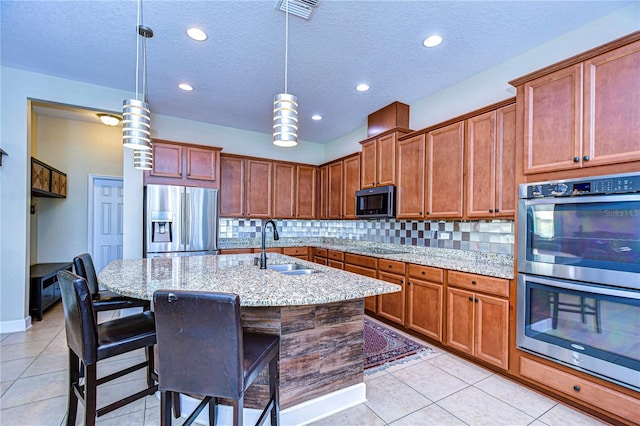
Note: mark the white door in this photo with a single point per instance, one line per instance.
(107, 221)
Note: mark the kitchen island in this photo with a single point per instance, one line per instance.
(318, 316)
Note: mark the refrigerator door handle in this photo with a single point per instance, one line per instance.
(187, 218)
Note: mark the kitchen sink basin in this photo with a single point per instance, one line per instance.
(292, 269)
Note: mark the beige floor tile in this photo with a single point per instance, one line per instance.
(475, 407)
(462, 369)
(47, 363)
(152, 401)
(152, 417)
(3, 388)
(430, 381)
(357, 416)
(36, 388)
(109, 366)
(109, 393)
(58, 345)
(391, 399)
(49, 412)
(32, 335)
(561, 415)
(524, 399)
(22, 350)
(136, 418)
(11, 370)
(433, 415)
(537, 423)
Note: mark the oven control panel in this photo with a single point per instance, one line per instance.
(613, 184)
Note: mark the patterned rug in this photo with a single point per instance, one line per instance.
(382, 345)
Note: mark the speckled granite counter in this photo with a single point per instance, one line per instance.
(489, 264)
(237, 274)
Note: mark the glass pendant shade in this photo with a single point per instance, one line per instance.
(136, 124)
(143, 159)
(285, 120)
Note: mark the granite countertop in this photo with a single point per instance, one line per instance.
(237, 274)
(489, 264)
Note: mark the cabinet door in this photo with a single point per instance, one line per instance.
(492, 330)
(411, 172)
(445, 171)
(386, 160)
(506, 162)
(369, 165)
(553, 121)
(323, 185)
(334, 191)
(481, 165)
(351, 185)
(232, 187)
(259, 188)
(612, 107)
(167, 160)
(306, 195)
(284, 190)
(392, 305)
(425, 308)
(202, 164)
(460, 320)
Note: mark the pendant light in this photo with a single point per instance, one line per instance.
(285, 105)
(136, 113)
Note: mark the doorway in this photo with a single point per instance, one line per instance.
(105, 223)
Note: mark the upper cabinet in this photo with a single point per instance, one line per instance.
(259, 187)
(410, 191)
(339, 181)
(306, 194)
(232, 186)
(351, 167)
(378, 160)
(47, 181)
(583, 114)
(183, 164)
(294, 190)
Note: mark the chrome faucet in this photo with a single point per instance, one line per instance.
(263, 253)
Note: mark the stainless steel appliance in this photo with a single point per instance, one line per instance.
(180, 221)
(376, 202)
(579, 274)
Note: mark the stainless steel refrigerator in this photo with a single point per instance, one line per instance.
(180, 221)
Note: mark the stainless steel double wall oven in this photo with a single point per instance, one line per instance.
(579, 274)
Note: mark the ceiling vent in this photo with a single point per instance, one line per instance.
(301, 8)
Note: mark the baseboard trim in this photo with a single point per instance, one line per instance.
(301, 414)
(15, 325)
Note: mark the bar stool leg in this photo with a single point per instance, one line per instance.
(74, 378)
(273, 390)
(237, 411)
(165, 408)
(213, 411)
(90, 388)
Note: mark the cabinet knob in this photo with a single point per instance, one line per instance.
(423, 272)
(408, 282)
(585, 158)
(389, 266)
(401, 281)
(576, 159)
(473, 282)
(471, 298)
(576, 388)
(420, 213)
(497, 210)
(490, 210)
(428, 212)
(475, 300)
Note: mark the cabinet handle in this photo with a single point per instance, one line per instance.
(428, 212)
(576, 159)
(576, 388)
(476, 300)
(490, 210)
(497, 210)
(401, 281)
(471, 298)
(420, 213)
(408, 282)
(585, 158)
(473, 282)
(423, 272)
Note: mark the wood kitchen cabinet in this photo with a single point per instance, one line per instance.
(335, 259)
(351, 171)
(339, 186)
(585, 114)
(232, 186)
(478, 323)
(176, 163)
(379, 160)
(410, 191)
(298, 252)
(334, 190)
(323, 192)
(367, 266)
(319, 255)
(46, 181)
(490, 164)
(424, 300)
(392, 306)
(445, 171)
(284, 190)
(246, 187)
(259, 187)
(306, 193)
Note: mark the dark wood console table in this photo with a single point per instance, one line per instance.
(45, 290)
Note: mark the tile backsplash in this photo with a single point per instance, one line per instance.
(492, 236)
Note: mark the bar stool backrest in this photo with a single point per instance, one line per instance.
(85, 268)
(200, 343)
(80, 325)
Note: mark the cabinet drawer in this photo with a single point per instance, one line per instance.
(319, 252)
(497, 286)
(371, 273)
(391, 266)
(592, 393)
(359, 260)
(296, 251)
(335, 264)
(435, 275)
(335, 255)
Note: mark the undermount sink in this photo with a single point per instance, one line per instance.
(292, 269)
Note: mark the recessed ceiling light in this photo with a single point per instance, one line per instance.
(185, 86)
(316, 117)
(432, 41)
(197, 34)
(109, 119)
(362, 87)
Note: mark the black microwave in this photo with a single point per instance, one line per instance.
(376, 202)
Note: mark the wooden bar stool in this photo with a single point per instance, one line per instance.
(203, 350)
(89, 343)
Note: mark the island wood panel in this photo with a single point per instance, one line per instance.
(321, 349)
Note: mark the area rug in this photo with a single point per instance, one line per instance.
(384, 347)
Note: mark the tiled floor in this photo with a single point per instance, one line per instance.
(440, 389)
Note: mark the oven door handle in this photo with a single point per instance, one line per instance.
(584, 287)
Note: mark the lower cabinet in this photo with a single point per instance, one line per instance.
(335, 259)
(367, 266)
(299, 252)
(392, 306)
(319, 255)
(424, 300)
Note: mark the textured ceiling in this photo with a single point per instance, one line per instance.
(240, 67)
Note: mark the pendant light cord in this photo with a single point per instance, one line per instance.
(286, 45)
(138, 47)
